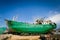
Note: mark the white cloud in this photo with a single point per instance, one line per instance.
(55, 18)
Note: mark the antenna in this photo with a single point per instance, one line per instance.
(14, 18)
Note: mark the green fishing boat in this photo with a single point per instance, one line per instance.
(22, 27)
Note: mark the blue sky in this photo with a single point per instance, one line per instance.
(26, 10)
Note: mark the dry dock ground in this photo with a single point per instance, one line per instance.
(17, 37)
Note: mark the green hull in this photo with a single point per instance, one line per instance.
(29, 28)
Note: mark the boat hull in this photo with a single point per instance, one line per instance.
(29, 28)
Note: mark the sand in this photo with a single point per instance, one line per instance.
(17, 37)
